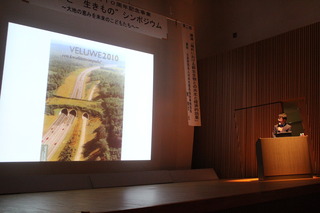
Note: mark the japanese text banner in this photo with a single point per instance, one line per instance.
(111, 12)
(191, 75)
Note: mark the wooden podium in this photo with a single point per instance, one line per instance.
(283, 157)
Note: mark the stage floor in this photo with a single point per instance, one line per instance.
(201, 196)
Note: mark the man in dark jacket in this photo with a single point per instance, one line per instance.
(282, 128)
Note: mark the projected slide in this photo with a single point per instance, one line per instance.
(65, 98)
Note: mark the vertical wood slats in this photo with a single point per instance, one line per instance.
(285, 67)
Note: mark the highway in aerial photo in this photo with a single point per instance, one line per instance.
(57, 132)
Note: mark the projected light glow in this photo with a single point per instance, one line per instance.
(65, 98)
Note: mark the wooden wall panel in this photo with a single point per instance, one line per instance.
(253, 123)
(285, 67)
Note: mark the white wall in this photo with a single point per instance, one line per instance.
(172, 138)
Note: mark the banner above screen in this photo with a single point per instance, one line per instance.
(111, 12)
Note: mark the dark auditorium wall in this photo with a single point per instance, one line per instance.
(242, 91)
(224, 25)
(253, 53)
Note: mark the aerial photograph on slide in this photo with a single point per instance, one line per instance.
(84, 104)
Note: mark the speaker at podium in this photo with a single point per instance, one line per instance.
(283, 157)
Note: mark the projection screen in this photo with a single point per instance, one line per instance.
(65, 98)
